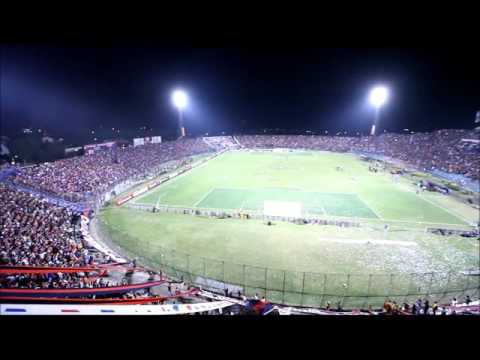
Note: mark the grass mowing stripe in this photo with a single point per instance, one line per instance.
(253, 199)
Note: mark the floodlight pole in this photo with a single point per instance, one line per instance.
(375, 121)
(180, 122)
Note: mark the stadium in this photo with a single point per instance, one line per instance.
(264, 223)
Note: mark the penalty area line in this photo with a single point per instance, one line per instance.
(161, 196)
(323, 209)
(241, 206)
(369, 207)
(204, 197)
(371, 241)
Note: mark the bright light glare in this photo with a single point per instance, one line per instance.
(179, 99)
(378, 96)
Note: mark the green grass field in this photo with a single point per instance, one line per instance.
(246, 180)
(302, 264)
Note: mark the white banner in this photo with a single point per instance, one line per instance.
(147, 140)
(170, 309)
(138, 142)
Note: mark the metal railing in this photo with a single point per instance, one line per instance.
(290, 287)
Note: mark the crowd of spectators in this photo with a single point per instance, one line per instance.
(55, 281)
(35, 232)
(439, 150)
(82, 177)
(424, 307)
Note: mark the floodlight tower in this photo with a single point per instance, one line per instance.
(378, 97)
(180, 100)
(477, 121)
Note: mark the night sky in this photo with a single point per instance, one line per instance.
(68, 90)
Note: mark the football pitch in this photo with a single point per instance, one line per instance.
(246, 180)
(301, 264)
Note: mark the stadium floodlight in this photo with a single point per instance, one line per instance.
(378, 97)
(180, 100)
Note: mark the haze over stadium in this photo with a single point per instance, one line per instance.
(239, 181)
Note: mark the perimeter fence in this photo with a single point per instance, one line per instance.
(287, 287)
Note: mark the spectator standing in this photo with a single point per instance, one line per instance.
(414, 309)
(454, 302)
(339, 307)
(435, 308)
(426, 306)
(419, 306)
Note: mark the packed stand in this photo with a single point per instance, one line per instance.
(81, 178)
(56, 281)
(37, 233)
(439, 150)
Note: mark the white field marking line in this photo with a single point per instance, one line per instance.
(286, 188)
(241, 206)
(204, 197)
(176, 178)
(161, 196)
(458, 216)
(369, 207)
(147, 193)
(372, 241)
(321, 207)
(448, 210)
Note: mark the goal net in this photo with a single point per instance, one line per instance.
(282, 208)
